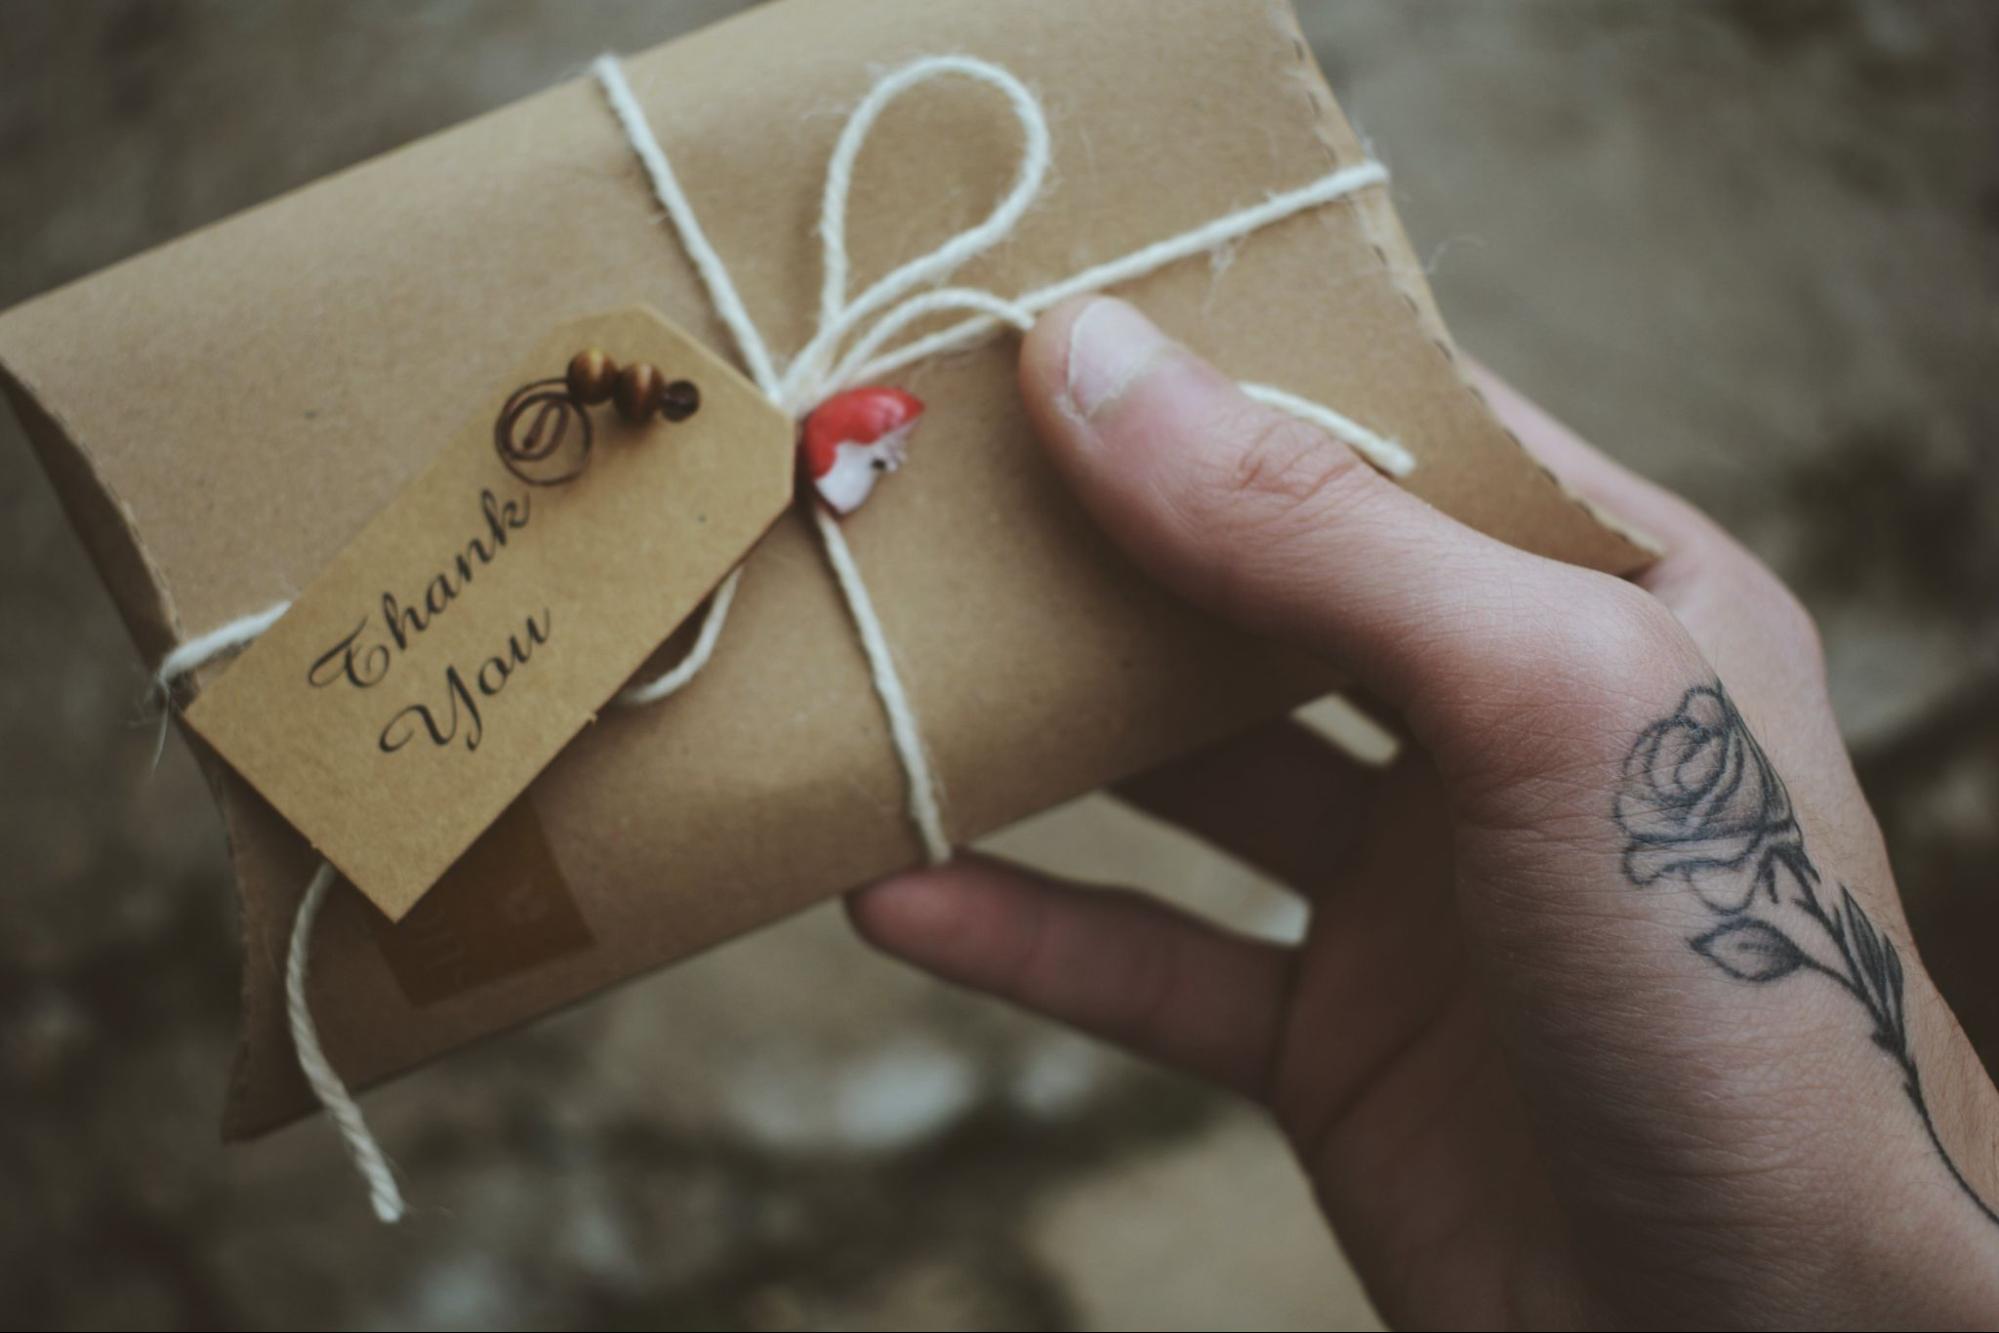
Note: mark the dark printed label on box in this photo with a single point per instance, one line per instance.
(502, 908)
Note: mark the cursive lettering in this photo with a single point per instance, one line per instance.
(362, 664)
(461, 717)
(362, 659)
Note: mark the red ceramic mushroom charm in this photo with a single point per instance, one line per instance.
(852, 438)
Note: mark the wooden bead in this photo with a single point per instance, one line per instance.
(591, 376)
(680, 400)
(638, 391)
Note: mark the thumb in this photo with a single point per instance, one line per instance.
(1272, 523)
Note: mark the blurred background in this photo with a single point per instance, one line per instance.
(1752, 249)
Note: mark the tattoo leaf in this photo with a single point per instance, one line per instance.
(1877, 975)
(1750, 950)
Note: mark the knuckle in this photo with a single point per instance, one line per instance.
(1564, 687)
(1628, 631)
(1606, 635)
(1283, 469)
(1265, 491)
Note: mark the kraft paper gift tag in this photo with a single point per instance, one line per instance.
(284, 374)
(478, 623)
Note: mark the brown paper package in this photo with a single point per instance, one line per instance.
(282, 373)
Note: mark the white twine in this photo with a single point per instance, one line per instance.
(206, 647)
(341, 1108)
(818, 371)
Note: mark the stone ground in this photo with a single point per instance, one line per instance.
(1749, 248)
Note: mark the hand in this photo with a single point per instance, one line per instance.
(1607, 1012)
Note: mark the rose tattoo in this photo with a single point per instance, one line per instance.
(1701, 805)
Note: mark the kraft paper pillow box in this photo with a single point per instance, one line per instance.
(281, 375)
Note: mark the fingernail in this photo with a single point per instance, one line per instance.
(1110, 345)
